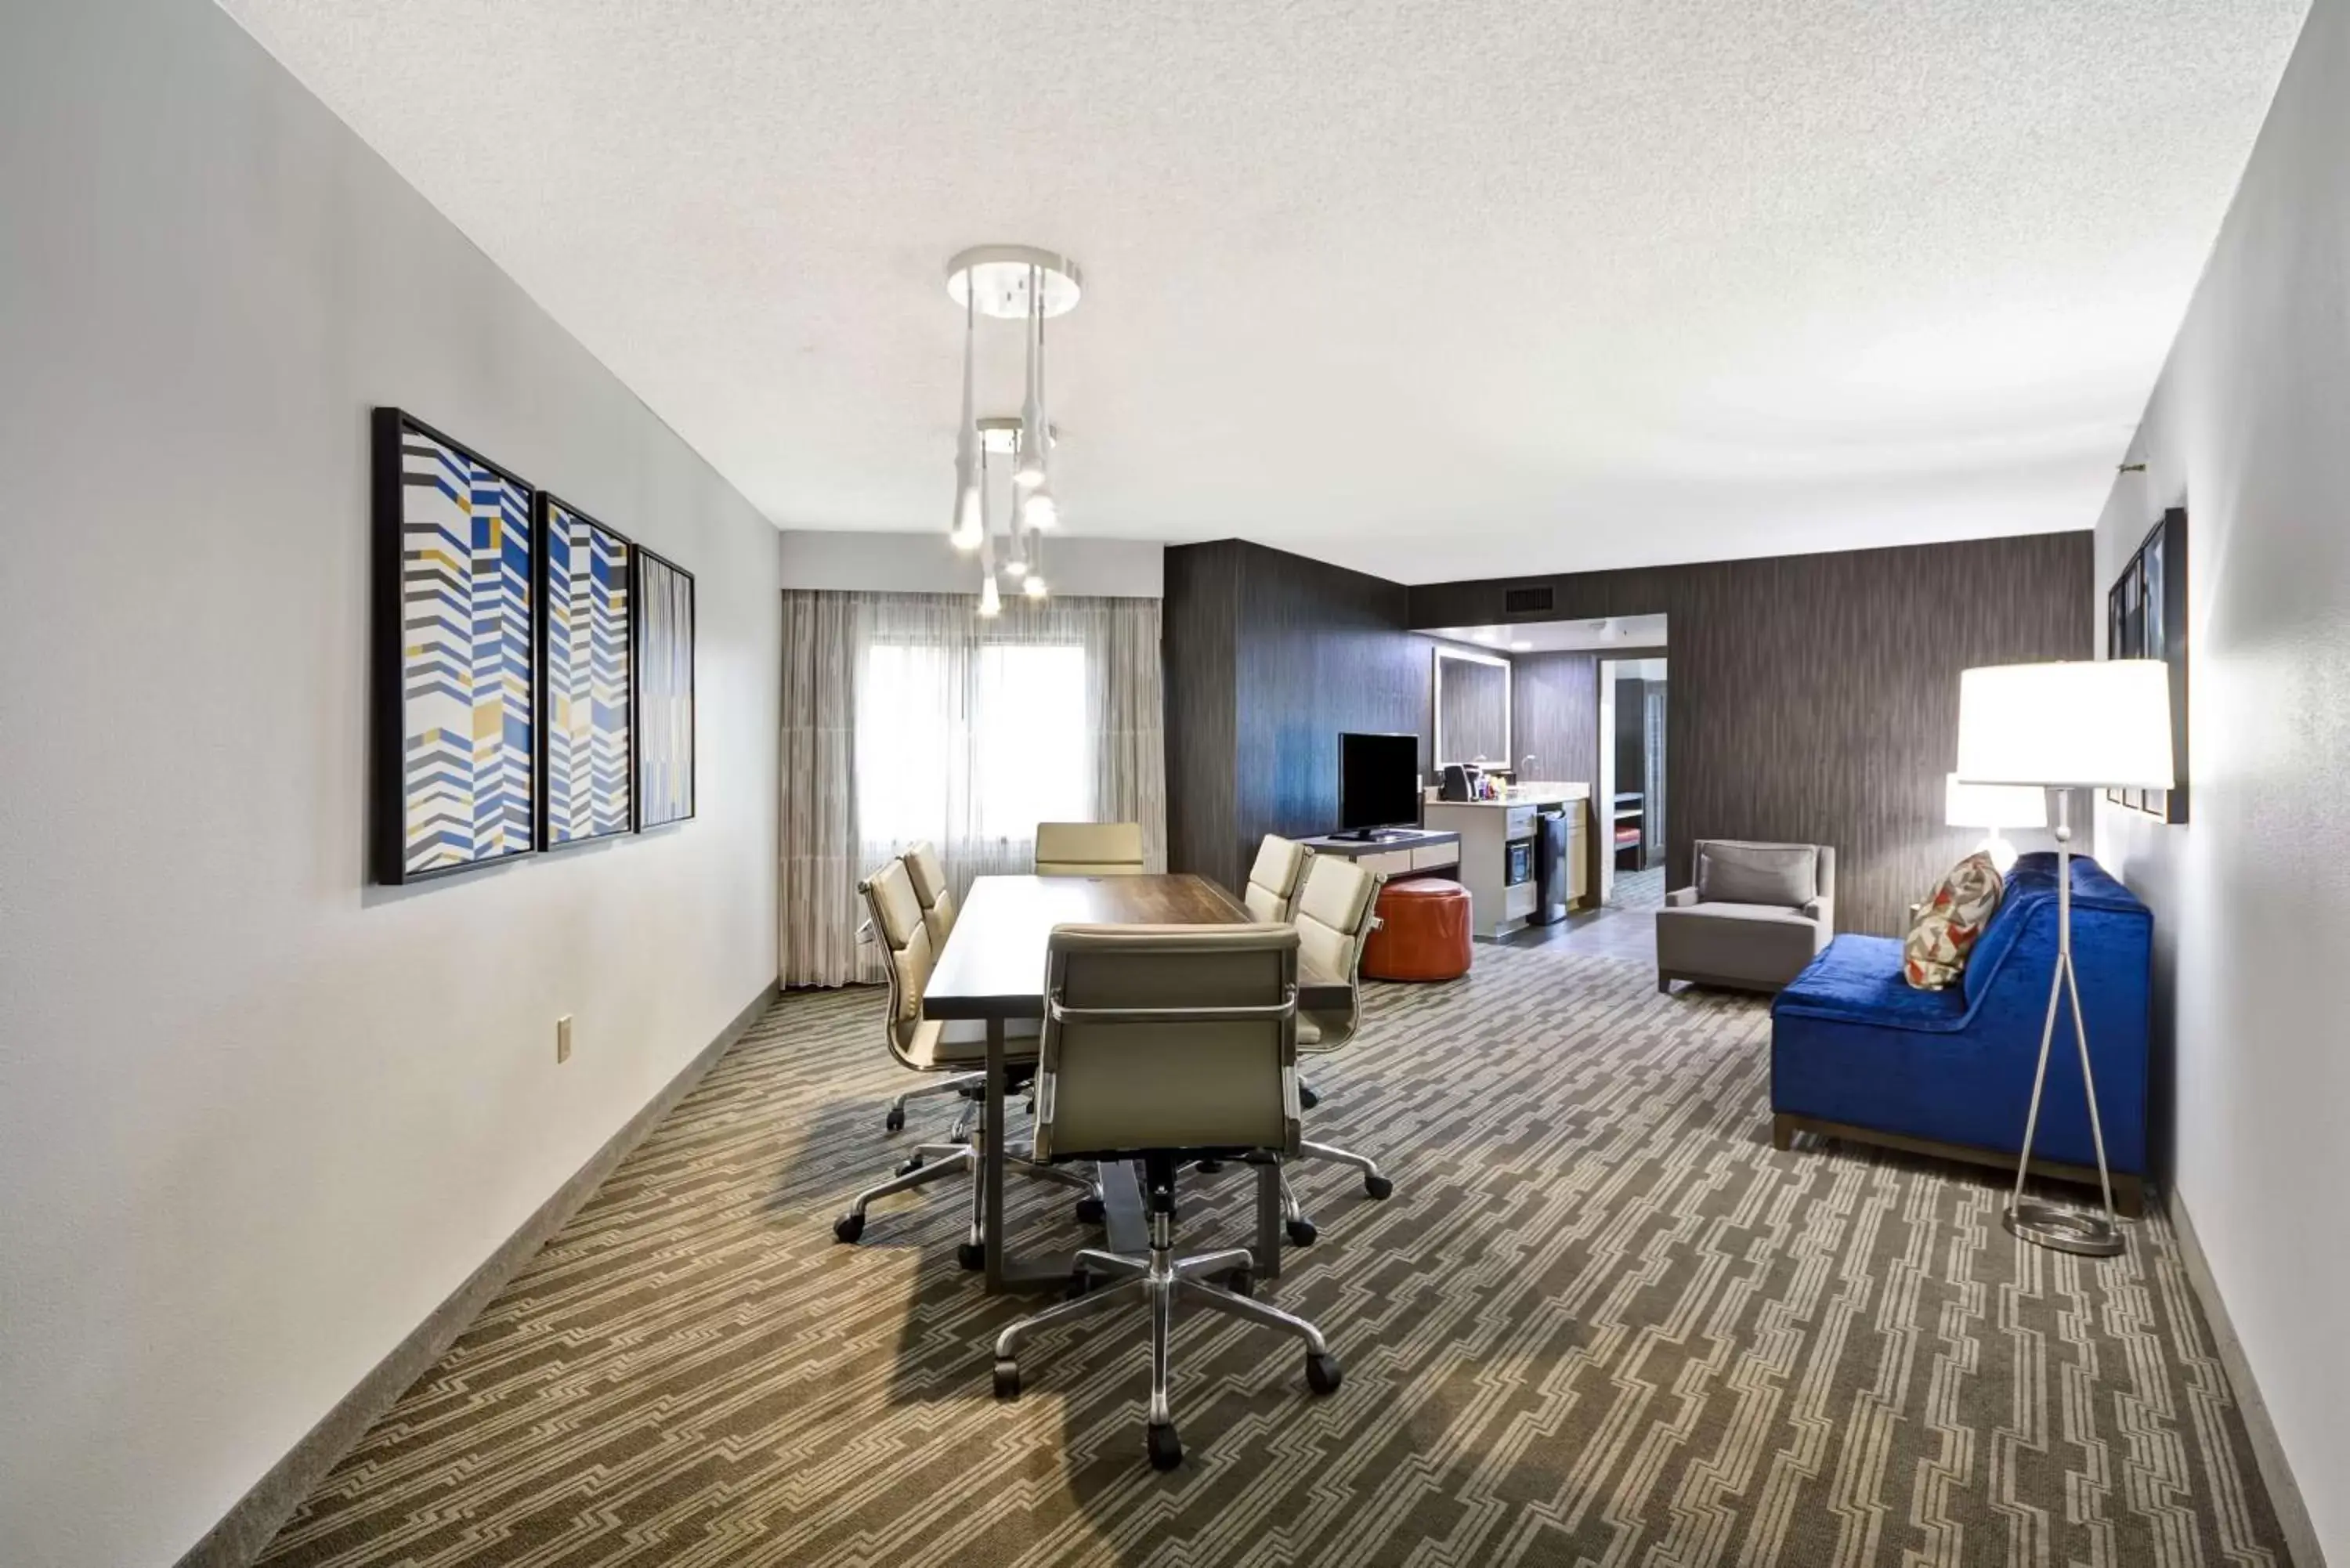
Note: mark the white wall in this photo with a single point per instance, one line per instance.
(2250, 424)
(927, 564)
(257, 1117)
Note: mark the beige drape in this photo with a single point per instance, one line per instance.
(828, 638)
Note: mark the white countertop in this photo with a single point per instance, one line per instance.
(1526, 795)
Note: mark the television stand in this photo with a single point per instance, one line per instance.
(1394, 852)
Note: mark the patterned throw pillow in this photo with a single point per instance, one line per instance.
(1934, 952)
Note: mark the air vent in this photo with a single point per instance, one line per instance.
(1525, 601)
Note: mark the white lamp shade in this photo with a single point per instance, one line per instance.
(1992, 806)
(2090, 725)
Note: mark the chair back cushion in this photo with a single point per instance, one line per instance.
(1334, 914)
(1089, 850)
(1180, 1076)
(1783, 875)
(929, 875)
(1934, 954)
(1272, 880)
(905, 935)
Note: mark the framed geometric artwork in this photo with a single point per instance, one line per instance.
(456, 671)
(2146, 618)
(588, 764)
(664, 687)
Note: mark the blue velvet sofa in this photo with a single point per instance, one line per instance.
(1856, 1053)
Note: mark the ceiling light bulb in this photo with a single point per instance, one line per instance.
(971, 516)
(1036, 436)
(1015, 555)
(1040, 510)
(1035, 589)
(991, 600)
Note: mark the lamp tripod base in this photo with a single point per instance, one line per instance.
(2065, 1230)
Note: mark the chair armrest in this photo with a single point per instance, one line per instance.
(1823, 910)
(1681, 897)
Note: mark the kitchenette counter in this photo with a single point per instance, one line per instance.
(1498, 850)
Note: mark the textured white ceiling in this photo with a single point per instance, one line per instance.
(1436, 290)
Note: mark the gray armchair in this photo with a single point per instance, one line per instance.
(1753, 916)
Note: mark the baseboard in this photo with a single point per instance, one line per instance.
(247, 1528)
(2267, 1453)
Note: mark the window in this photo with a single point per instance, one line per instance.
(960, 744)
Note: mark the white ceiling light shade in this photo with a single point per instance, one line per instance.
(970, 524)
(2083, 724)
(1023, 283)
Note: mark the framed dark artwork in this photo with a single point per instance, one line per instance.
(456, 671)
(2146, 618)
(587, 777)
(664, 691)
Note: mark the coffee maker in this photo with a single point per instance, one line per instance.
(1463, 780)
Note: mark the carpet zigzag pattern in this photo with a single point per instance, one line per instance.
(1601, 1321)
(466, 667)
(588, 660)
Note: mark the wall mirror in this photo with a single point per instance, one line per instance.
(1472, 707)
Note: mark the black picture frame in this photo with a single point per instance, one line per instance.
(645, 563)
(2146, 618)
(388, 634)
(545, 503)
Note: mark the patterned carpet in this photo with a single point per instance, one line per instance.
(1601, 1321)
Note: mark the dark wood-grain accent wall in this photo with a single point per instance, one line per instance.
(1198, 632)
(1816, 698)
(1269, 656)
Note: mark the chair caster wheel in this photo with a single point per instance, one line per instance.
(1306, 1098)
(1322, 1374)
(895, 1121)
(910, 1165)
(1302, 1232)
(1378, 1187)
(1090, 1212)
(1007, 1380)
(847, 1228)
(1166, 1449)
(1241, 1283)
(1208, 1166)
(971, 1255)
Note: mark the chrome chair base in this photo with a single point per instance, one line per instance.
(959, 1083)
(1158, 1281)
(2065, 1230)
(936, 1162)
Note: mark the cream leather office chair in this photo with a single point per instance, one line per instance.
(1336, 915)
(930, 1045)
(1164, 1043)
(1089, 850)
(1273, 880)
(928, 876)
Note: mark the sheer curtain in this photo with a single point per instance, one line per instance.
(907, 716)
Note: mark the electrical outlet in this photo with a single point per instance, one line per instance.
(562, 1039)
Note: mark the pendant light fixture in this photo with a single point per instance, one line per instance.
(970, 526)
(1008, 283)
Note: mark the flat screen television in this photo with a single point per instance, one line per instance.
(1378, 782)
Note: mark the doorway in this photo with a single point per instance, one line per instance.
(1629, 801)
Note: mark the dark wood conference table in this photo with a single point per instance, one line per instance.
(993, 971)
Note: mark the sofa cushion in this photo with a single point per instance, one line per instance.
(1934, 954)
(1860, 978)
(1754, 942)
(1783, 875)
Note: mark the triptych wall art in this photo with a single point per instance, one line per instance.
(2146, 618)
(534, 667)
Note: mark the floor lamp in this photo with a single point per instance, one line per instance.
(2064, 727)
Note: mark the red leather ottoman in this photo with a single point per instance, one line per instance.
(1423, 934)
